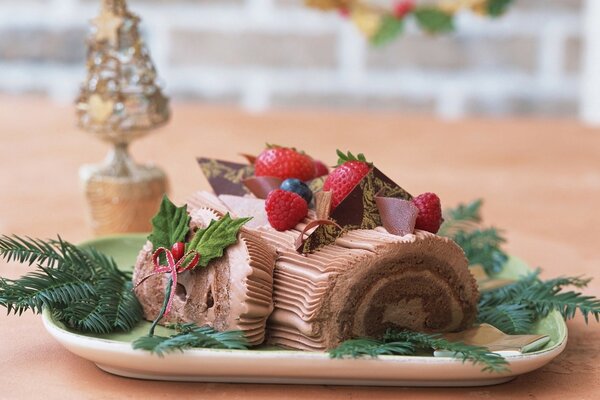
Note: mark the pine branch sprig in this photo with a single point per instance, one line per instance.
(515, 308)
(482, 246)
(26, 250)
(477, 355)
(85, 315)
(509, 293)
(509, 318)
(356, 348)
(567, 303)
(191, 336)
(119, 303)
(462, 217)
(43, 288)
(81, 286)
(407, 343)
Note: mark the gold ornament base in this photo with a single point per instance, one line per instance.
(122, 196)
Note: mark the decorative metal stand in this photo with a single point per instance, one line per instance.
(119, 102)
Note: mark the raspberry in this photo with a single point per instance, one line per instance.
(430, 212)
(285, 209)
(344, 178)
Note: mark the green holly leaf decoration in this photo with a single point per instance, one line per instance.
(496, 8)
(389, 29)
(433, 20)
(170, 225)
(214, 239)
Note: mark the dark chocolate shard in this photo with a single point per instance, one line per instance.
(226, 177)
(398, 216)
(312, 224)
(261, 186)
(322, 236)
(357, 211)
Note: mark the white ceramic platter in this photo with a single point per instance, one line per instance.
(114, 354)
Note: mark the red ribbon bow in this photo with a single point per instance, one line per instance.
(173, 267)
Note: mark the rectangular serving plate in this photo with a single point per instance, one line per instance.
(113, 353)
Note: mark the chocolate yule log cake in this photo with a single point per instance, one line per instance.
(319, 260)
(366, 282)
(233, 292)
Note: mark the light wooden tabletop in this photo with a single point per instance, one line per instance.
(540, 181)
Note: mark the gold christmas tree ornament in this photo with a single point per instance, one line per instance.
(119, 102)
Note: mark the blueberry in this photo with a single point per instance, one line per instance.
(298, 187)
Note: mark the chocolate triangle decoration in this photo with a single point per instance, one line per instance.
(357, 211)
(226, 177)
(261, 186)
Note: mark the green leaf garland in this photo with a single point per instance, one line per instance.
(390, 28)
(496, 8)
(434, 20)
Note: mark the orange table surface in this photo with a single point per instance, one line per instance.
(540, 180)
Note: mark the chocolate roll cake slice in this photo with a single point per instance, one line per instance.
(232, 293)
(365, 283)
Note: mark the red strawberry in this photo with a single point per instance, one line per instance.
(320, 169)
(284, 163)
(430, 212)
(285, 209)
(346, 176)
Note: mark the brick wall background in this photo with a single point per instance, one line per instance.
(276, 53)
